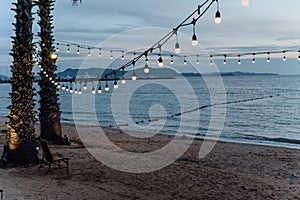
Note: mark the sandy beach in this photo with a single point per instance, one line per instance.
(230, 171)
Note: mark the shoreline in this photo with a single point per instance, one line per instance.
(229, 171)
(201, 138)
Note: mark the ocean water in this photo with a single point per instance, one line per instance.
(256, 109)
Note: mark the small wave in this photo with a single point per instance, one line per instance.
(285, 140)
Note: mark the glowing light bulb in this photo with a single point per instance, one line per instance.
(133, 77)
(218, 18)
(71, 90)
(58, 85)
(122, 57)
(67, 89)
(225, 60)
(99, 90)
(146, 69)
(211, 61)
(89, 54)
(284, 56)
(177, 48)
(253, 60)
(84, 86)
(76, 91)
(160, 62)
(106, 87)
(194, 40)
(184, 61)
(63, 87)
(268, 58)
(93, 90)
(171, 61)
(79, 91)
(111, 55)
(123, 80)
(245, 2)
(116, 86)
(78, 51)
(68, 49)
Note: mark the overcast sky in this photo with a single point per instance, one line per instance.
(264, 25)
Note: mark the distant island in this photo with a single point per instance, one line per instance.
(155, 73)
(237, 73)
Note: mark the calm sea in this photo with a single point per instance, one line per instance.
(259, 109)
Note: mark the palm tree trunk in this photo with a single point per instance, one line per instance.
(49, 106)
(21, 131)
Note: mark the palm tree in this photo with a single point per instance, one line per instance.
(21, 130)
(49, 106)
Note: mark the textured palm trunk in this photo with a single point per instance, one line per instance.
(49, 106)
(21, 130)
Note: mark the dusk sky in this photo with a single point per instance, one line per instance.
(267, 25)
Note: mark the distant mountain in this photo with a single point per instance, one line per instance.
(97, 72)
(237, 73)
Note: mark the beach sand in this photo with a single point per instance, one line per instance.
(229, 171)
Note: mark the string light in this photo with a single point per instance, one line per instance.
(93, 88)
(79, 90)
(194, 37)
(284, 56)
(184, 61)
(63, 87)
(78, 50)
(85, 85)
(177, 47)
(122, 57)
(146, 60)
(99, 88)
(171, 61)
(106, 87)
(225, 61)
(146, 68)
(268, 58)
(67, 88)
(71, 89)
(116, 86)
(253, 60)
(299, 55)
(53, 56)
(89, 54)
(123, 80)
(211, 61)
(57, 48)
(76, 91)
(239, 61)
(197, 61)
(100, 53)
(68, 48)
(245, 2)
(111, 55)
(218, 18)
(133, 76)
